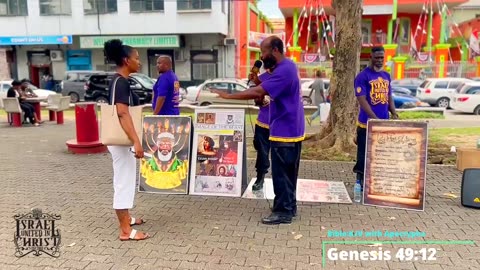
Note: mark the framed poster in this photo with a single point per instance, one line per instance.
(217, 157)
(395, 164)
(166, 142)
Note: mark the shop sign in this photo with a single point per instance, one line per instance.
(35, 40)
(159, 41)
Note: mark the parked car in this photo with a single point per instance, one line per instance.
(468, 102)
(73, 84)
(403, 101)
(41, 93)
(439, 91)
(205, 97)
(467, 87)
(4, 86)
(410, 84)
(96, 87)
(306, 90)
(401, 91)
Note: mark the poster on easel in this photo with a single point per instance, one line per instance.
(395, 164)
(166, 144)
(218, 153)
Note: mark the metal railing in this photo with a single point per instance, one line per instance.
(429, 69)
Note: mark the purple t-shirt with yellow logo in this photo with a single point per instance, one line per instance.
(287, 117)
(264, 111)
(167, 86)
(375, 86)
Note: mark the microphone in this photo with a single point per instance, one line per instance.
(256, 68)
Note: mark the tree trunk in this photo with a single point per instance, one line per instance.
(339, 132)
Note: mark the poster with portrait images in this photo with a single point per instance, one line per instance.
(217, 153)
(166, 143)
(395, 164)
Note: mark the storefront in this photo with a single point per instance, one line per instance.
(33, 56)
(149, 48)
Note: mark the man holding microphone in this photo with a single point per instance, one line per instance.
(286, 125)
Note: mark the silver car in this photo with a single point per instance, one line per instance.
(73, 84)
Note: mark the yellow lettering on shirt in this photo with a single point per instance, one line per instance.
(379, 91)
(176, 86)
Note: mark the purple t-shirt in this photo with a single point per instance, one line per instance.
(377, 89)
(287, 117)
(264, 111)
(167, 86)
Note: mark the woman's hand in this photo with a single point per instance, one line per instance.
(138, 150)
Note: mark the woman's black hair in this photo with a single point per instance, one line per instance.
(115, 51)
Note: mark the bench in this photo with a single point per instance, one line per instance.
(53, 101)
(62, 105)
(13, 110)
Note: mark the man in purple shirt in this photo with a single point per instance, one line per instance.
(286, 124)
(261, 136)
(166, 91)
(374, 94)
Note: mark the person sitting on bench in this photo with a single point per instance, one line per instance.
(15, 92)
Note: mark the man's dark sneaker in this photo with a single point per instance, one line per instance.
(258, 185)
(275, 219)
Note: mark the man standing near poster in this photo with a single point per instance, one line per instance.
(286, 123)
(374, 94)
(166, 91)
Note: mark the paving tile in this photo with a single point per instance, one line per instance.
(194, 232)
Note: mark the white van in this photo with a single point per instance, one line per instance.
(439, 91)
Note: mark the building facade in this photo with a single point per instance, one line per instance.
(467, 11)
(53, 36)
(400, 24)
(251, 26)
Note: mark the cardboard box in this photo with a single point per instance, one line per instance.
(468, 158)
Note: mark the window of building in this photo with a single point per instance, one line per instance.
(194, 4)
(366, 31)
(55, 7)
(146, 5)
(13, 8)
(204, 64)
(404, 36)
(99, 6)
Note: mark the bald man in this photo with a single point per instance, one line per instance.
(166, 91)
(286, 124)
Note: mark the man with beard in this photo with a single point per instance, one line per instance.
(166, 91)
(374, 94)
(164, 170)
(286, 124)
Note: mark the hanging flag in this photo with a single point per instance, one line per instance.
(474, 47)
(413, 44)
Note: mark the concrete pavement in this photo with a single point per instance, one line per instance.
(192, 232)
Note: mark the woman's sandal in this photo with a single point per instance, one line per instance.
(133, 233)
(133, 221)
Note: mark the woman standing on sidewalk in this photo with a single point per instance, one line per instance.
(124, 164)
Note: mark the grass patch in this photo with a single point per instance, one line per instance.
(442, 139)
(405, 115)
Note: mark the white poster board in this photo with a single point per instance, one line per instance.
(217, 153)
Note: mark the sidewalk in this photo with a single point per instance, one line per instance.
(191, 232)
